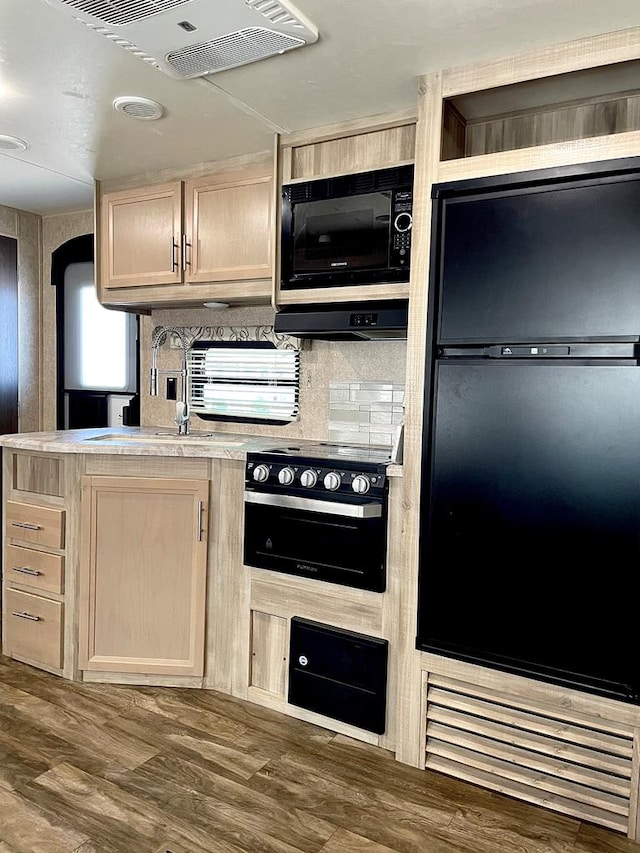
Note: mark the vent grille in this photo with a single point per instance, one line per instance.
(275, 12)
(347, 185)
(119, 12)
(566, 761)
(230, 51)
(143, 109)
(124, 44)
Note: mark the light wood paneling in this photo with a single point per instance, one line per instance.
(148, 466)
(353, 293)
(572, 767)
(633, 830)
(37, 474)
(141, 680)
(37, 525)
(391, 626)
(620, 46)
(570, 751)
(33, 628)
(228, 613)
(428, 147)
(376, 149)
(143, 575)
(287, 596)
(454, 131)
(54, 232)
(601, 117)
(269, 652)
(25, 566)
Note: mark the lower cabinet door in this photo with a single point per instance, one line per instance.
(143, 575)
(33, 628)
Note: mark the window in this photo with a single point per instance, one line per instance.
(99, 344)
(244, 381)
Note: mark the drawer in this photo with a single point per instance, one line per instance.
(41, 525)
(25, 566)
(33, 628)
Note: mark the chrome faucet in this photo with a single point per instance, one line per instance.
(182, 406)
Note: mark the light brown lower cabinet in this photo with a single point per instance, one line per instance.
(143, 566)
(33, 628)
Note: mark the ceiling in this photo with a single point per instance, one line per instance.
(58, 80)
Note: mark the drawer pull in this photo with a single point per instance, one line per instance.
(26, 526)
(27, 616)
(25, 571)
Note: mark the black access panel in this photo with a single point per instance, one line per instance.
(339, 674)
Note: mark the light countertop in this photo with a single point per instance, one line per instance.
(152, 441)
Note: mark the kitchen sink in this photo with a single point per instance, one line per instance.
(173, 437)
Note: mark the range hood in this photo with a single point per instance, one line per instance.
(353, 321)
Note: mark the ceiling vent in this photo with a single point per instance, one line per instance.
(144, 109)
(194, 38)
(12, 143)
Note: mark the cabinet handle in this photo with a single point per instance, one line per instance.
(185, 262)
(26, 526)
(174, 260)
(27, 616)
(25, 571)
(199, 522)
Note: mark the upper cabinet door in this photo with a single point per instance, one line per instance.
(229, 228)
(141, 236)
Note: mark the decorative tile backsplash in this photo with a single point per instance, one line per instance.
(365, 412)
(241, 334)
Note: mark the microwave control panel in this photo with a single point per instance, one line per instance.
(401, 223)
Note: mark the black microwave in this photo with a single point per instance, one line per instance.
(352, 229)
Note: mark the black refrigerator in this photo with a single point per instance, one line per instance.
(530, 500)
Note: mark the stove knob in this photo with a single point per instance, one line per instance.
(286, 476)
(308, 478)
(332, 481)
(261, 473)
(361, 484)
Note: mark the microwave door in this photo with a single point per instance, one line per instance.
(342, 234)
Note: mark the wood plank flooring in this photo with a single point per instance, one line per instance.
(107, 769)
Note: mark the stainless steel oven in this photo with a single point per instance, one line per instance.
(318, 517)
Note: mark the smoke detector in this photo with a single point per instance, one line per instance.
(143, 109)
(195, 38)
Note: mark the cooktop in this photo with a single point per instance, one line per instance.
(324, 450)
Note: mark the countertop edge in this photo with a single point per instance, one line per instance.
(125, 441)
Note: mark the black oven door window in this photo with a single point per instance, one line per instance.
(327, 547)
(350, 233)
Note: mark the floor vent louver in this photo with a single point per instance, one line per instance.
(565, 761)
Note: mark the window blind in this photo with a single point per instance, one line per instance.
(253, 381)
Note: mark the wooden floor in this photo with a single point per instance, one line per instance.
(103, 769)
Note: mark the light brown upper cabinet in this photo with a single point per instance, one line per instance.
(142, 238)
(189, 241)
(228, 226)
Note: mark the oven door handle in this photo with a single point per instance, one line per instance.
(364, 510)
